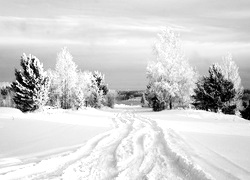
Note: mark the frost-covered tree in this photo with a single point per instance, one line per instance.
(67, 78)
(231, 72)
(215, 92)
(54, 99)
(99, 79)
(98, 90)
(110, 98)
(31, 85)
(83, 88)
(245, 113)
(74, 88)
(143, 100)
(96, 97)
(6, 95)
(171, 78)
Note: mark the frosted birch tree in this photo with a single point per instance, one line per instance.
(170, 76)
(231, 72)
(67, 78)
(83, 88)
(75, 88)
(54, 99)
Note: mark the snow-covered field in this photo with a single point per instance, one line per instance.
(32, 136)
(124, 143)
(218, 143)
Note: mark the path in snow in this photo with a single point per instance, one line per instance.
(136, 148)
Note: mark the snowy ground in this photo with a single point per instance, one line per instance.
(32, 136)
(124, 143)
(219, 143)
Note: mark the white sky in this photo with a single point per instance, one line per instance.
(116, 37)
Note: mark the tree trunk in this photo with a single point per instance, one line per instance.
(170, 104)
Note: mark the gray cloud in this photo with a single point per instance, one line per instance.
(120, 32)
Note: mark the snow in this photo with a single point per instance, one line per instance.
(10, 111)
(124, 143)
(32, 136)
(219, 143)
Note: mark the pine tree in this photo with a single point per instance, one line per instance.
(31, 85)
(171, 78)
(245, 113)
(215, 92)
(100, 82)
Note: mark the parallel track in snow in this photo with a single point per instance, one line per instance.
(136, 149)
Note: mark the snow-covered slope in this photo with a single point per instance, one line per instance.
(142, 144)
(135, 149)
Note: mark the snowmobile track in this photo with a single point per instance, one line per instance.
(136, 149)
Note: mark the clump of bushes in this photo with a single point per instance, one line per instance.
(110, 98)
(245, 113)
(6, 95)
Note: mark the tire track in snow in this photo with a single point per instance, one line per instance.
(53, 166)
(136, 149)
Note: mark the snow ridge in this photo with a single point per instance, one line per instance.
(136, 149)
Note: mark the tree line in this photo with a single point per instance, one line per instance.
(63, 87)
(173, 82)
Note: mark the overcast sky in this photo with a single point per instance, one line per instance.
(116, 37)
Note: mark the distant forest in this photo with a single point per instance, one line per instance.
(126, 95)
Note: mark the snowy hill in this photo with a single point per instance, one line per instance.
(124, 143)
